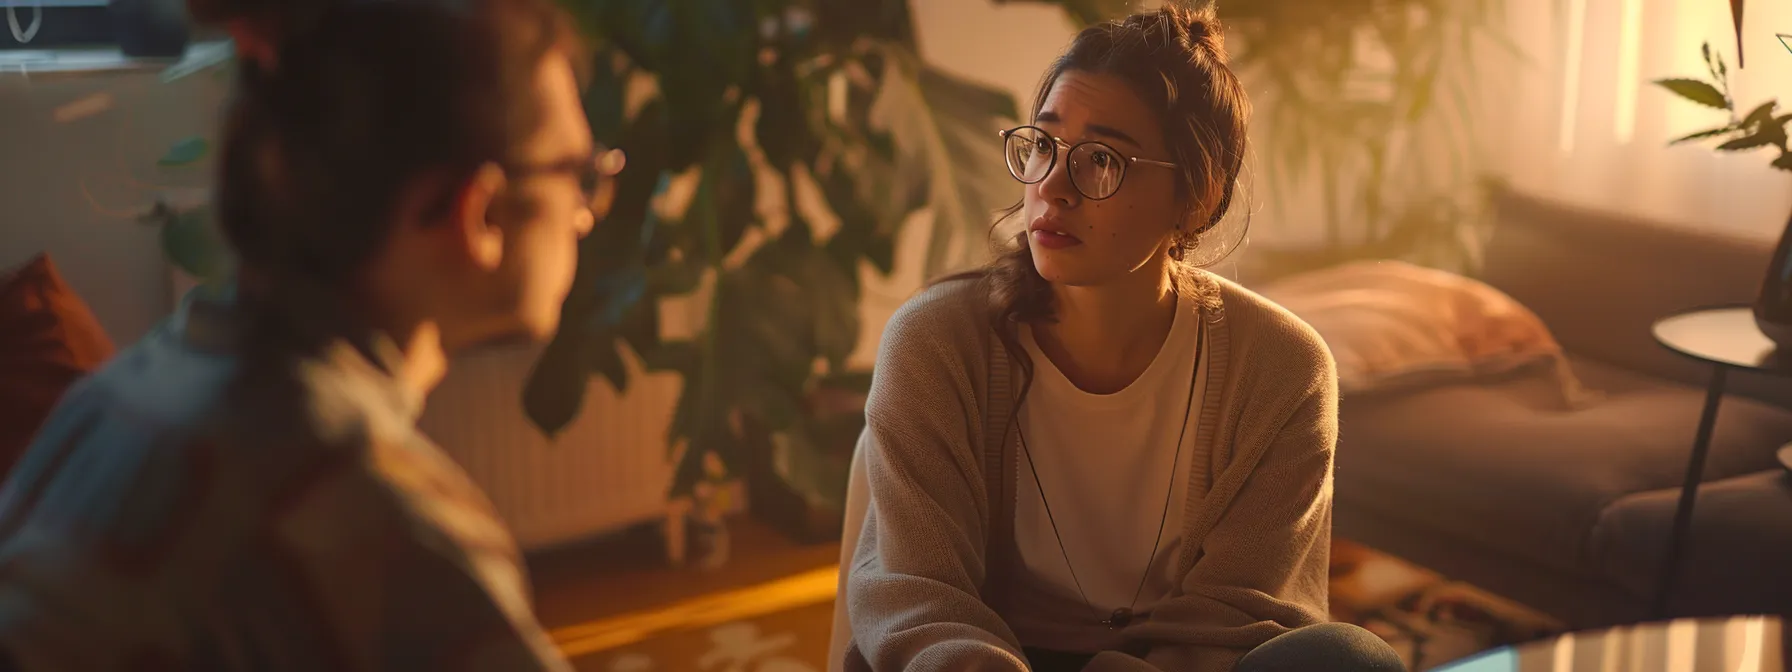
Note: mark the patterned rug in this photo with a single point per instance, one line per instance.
(783, 626)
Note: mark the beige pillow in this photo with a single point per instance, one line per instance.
(1392, 325)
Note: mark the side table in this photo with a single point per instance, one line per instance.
(1726, 338)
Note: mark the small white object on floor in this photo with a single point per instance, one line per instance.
(737, 645)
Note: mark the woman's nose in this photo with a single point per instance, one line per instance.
(1057, 186)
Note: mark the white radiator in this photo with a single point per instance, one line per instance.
(606, 471)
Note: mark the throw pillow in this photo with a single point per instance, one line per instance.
(48, 340)
(1392, 325)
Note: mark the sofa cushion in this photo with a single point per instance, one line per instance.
(1501, 465)
(1737, 551)
(49, 338)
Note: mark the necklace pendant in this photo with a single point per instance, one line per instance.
(1119, 619)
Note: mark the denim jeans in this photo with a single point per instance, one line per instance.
(1325, 647)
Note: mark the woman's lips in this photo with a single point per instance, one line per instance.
(1053, 240)
(1051, 235)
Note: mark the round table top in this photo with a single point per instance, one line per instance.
(1733, 644)
(1724, 335)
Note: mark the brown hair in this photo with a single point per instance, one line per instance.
(1173, 58)
(345, 102)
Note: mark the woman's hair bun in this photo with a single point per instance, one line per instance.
(1197, 20)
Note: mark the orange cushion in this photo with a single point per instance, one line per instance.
(48, 340)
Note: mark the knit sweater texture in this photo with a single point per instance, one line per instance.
(935, 584)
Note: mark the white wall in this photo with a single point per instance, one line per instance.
(113, 262)
(1615, 154)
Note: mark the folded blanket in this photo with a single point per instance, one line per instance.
(1392, 325)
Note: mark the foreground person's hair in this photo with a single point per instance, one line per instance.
(349, 101)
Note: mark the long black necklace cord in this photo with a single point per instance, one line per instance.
(1120, 618)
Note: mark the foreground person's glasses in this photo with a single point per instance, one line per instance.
(1096, 169)
(596, 175)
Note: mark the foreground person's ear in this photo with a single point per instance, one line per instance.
(476, 218)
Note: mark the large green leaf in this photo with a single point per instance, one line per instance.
(1696, 91)
(193, 243)
(645, 29)
(555, 390)
(945, 130)
(1701, 135)
(787, 128)
(603, 100)
(716, 44)
(732, 192)
(1754, 140)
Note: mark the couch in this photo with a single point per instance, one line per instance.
(1495, 483)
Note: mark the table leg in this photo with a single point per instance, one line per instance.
(1689, 491)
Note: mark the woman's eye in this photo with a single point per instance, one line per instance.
(1102, 159)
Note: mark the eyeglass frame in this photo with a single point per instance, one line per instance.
(1057, 143)
(601, 167)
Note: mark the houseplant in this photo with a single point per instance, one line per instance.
(1340, 81)
(1759, 128)
(774, 149)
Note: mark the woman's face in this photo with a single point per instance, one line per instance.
(1079, 241)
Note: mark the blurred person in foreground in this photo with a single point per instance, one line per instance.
(246, 487)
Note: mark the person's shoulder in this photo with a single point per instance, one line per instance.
(951, 314)
(1261, 330)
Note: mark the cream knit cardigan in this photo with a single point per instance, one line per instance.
(932, 583)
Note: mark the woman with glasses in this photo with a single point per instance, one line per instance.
(246, 487)
(1093, 455)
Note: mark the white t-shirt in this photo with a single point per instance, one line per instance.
(1104, 462)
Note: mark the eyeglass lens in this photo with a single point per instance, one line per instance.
(599, 179)
(1096, 170)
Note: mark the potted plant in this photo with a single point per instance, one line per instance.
(805, 133)
(1760, 127)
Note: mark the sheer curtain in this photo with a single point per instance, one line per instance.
(1580, 119)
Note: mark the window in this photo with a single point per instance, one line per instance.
(56, 24)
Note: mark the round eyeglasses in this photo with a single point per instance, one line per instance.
(1096, 169)
(595, 172)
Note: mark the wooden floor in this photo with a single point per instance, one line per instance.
(622, 589)
(616, 605)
